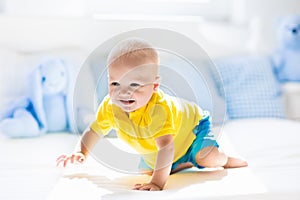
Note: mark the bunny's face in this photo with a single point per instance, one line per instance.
(289, 32)
(53, 77)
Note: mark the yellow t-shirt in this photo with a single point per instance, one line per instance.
(162, 115)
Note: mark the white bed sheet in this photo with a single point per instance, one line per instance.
(272, 148)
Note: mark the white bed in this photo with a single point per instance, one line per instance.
(271, 146)
(27, 166)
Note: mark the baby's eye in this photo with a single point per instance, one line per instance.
(115, 84)
(135, 84)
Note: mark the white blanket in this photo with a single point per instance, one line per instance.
(272, 148)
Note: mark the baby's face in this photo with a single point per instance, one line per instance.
(131, 85)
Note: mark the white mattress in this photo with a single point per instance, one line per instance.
(272, 148)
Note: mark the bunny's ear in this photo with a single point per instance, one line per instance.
(67, 75)
(36, 97)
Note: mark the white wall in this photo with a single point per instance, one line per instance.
(248, 21)
(264, 14)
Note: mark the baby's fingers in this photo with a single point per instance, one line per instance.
(63, 159)
(147, 186)
(66, 160)
(60, 159)
(137, 186)
(70, 158)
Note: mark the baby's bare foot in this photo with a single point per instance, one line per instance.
(235, 163)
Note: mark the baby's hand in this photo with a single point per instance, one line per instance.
(147, 186)
(65, 158)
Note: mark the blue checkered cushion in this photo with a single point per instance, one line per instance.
(250, 87)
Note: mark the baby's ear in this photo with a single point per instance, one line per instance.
(156, 83)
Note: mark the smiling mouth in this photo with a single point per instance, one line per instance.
(127, 102)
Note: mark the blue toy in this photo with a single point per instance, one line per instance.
(286, 59)
(45, 109)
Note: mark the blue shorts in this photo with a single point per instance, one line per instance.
(203, 139)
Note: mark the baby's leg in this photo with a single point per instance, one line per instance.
(211, 157)
(182, 166)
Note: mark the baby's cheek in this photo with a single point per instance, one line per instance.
(110, 91)
(144, 97)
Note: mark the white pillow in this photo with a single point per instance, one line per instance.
(251, 89)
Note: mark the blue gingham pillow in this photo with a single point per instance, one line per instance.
(250, 87)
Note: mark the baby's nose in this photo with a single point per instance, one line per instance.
(124, 91)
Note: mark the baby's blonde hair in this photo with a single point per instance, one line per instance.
(132, 49)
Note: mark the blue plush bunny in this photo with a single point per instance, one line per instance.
(45, 109)
(287, 58)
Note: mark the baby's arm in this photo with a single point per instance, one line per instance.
(164, 161)
(87, 142)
